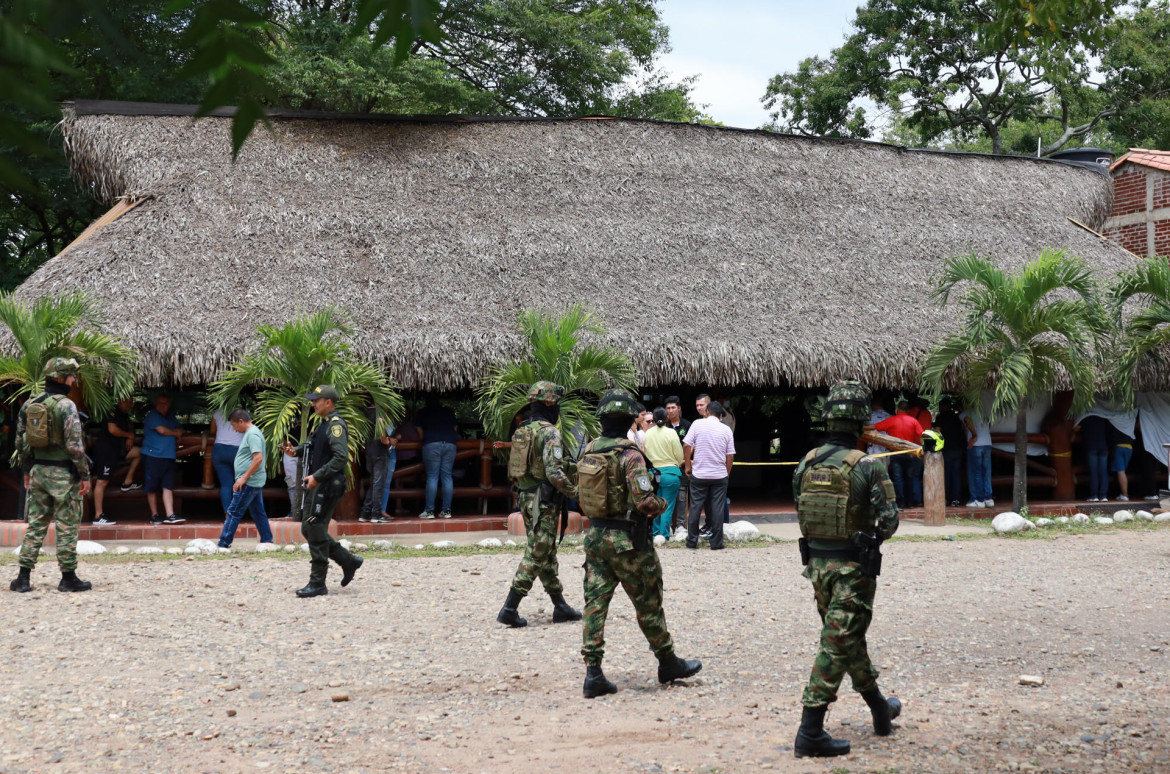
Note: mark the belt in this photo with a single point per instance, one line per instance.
(622, 524)
(1125, 446)
(529, 490)
(54, 463)
(848, 554)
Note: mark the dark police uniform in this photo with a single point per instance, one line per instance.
(328, 454)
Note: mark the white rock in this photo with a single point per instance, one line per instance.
(203, 544)
(265, 548)
(680, 535)
(1063, 519)
(89, 548)
(1043, 522)
(443, 544)
(419, 547)
(659, 540)
(1122, 516)
(1081, 518)
(1144, 515)
(345, 543)
(193, 550)
(1162, 517)
(1034, 681)
(174, 550)
(360, 547)
(291, 548)
(220, 550)
(148, 550)
(508, 542)
(740, 530)
(386, 545)
(1103, 520)
(1010, 521)
(304, 548)
(490, 543)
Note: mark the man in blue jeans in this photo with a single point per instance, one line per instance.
(248, 487)
(438, 429)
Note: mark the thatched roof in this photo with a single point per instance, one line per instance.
(715, 256)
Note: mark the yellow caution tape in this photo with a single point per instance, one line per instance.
(883, 454)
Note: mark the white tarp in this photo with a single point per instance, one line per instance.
(1154, 410)
(1036, 412)
(1119, 418)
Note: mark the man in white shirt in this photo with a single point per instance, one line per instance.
(709, 450)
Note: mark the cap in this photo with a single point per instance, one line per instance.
(323, 391)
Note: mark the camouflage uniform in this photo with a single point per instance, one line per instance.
(541, 509)
(611, 558)
(55, 475)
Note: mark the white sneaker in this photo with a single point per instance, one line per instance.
(1092, 500)
(975, 504)
(1122, 498)
(989, 503)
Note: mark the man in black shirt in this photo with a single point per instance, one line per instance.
(680, 425)
(954, 434)
(114, 445)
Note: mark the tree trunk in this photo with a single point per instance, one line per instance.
(1020, 480)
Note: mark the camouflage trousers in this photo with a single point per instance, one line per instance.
(540, 556)
(845, 603)
(53, 494)
(610, 559)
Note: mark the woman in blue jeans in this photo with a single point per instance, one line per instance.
(438, 429)
(223, 456)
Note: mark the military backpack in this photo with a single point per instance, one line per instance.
(601, 488)
(42, 429)
(526, 458)
(824, 509)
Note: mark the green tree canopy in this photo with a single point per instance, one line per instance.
(1021, 334)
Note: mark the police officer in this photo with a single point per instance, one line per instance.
(845, 505)
(328, 455)
(616, 493)
(536, 466)
(50, 449)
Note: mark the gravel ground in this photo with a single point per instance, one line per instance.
(213, 665)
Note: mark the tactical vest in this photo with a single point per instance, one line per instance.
(320, 452)
(825, 508)
(44, 431)
(602, 490)
(526, 459)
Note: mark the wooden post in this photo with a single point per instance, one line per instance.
(934, 493)
(208, 469)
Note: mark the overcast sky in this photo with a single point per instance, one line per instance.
(735, 46)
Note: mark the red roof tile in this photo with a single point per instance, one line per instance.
(1157, 159)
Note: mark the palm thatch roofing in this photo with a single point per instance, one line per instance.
(715, 256)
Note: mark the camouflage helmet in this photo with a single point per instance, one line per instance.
(849, 399)
(60, 368)
(617, 403)
(545, 391)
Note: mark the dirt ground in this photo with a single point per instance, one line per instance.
(213, 665)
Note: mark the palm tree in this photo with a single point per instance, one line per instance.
(555, 354)
(1023, 332)
(69, 325)
(291, 361)
(1148, 328)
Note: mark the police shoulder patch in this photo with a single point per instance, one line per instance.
(336, 430)
(644, 483)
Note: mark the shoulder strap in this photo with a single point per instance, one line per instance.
(829, 451)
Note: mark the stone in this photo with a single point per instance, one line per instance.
(490, 543)
(508, 542)
(290, 548)
(193, 550)
(174, 550)
(659, 540)
(221, 550)
(1103, 520)
(419, 546)
(1063, 519)
(443, 544)
(304, 548)
(202, 546)
(1043, 522)
(1162, 517)
(345, 543)
(384, 545)
(1120, 517)
(340, 697)
(1144, 515)
(266, 548)
(1035, 681)
(89, 548)
(359, 547)
(148, 550)
(231, 713)
(1010, 521)
(680, 535)
(740, 530)
(123, 550)
(1081, 518)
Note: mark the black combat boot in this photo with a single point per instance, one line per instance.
(561, 610)
(811, 739)
(313, 590)
(509, 614)
(595, 682)
(674, 668)
(70, 582)
(21, 583)
(348, 570)
(883, 710)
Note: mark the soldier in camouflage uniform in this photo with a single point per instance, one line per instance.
(328, 456)
(542, 483)
(617, 495)
(840, 492)
(56, 476)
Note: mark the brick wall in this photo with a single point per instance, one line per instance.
(1133, 237)
(1162, 237)
(1161, 182)
(1129, 191)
